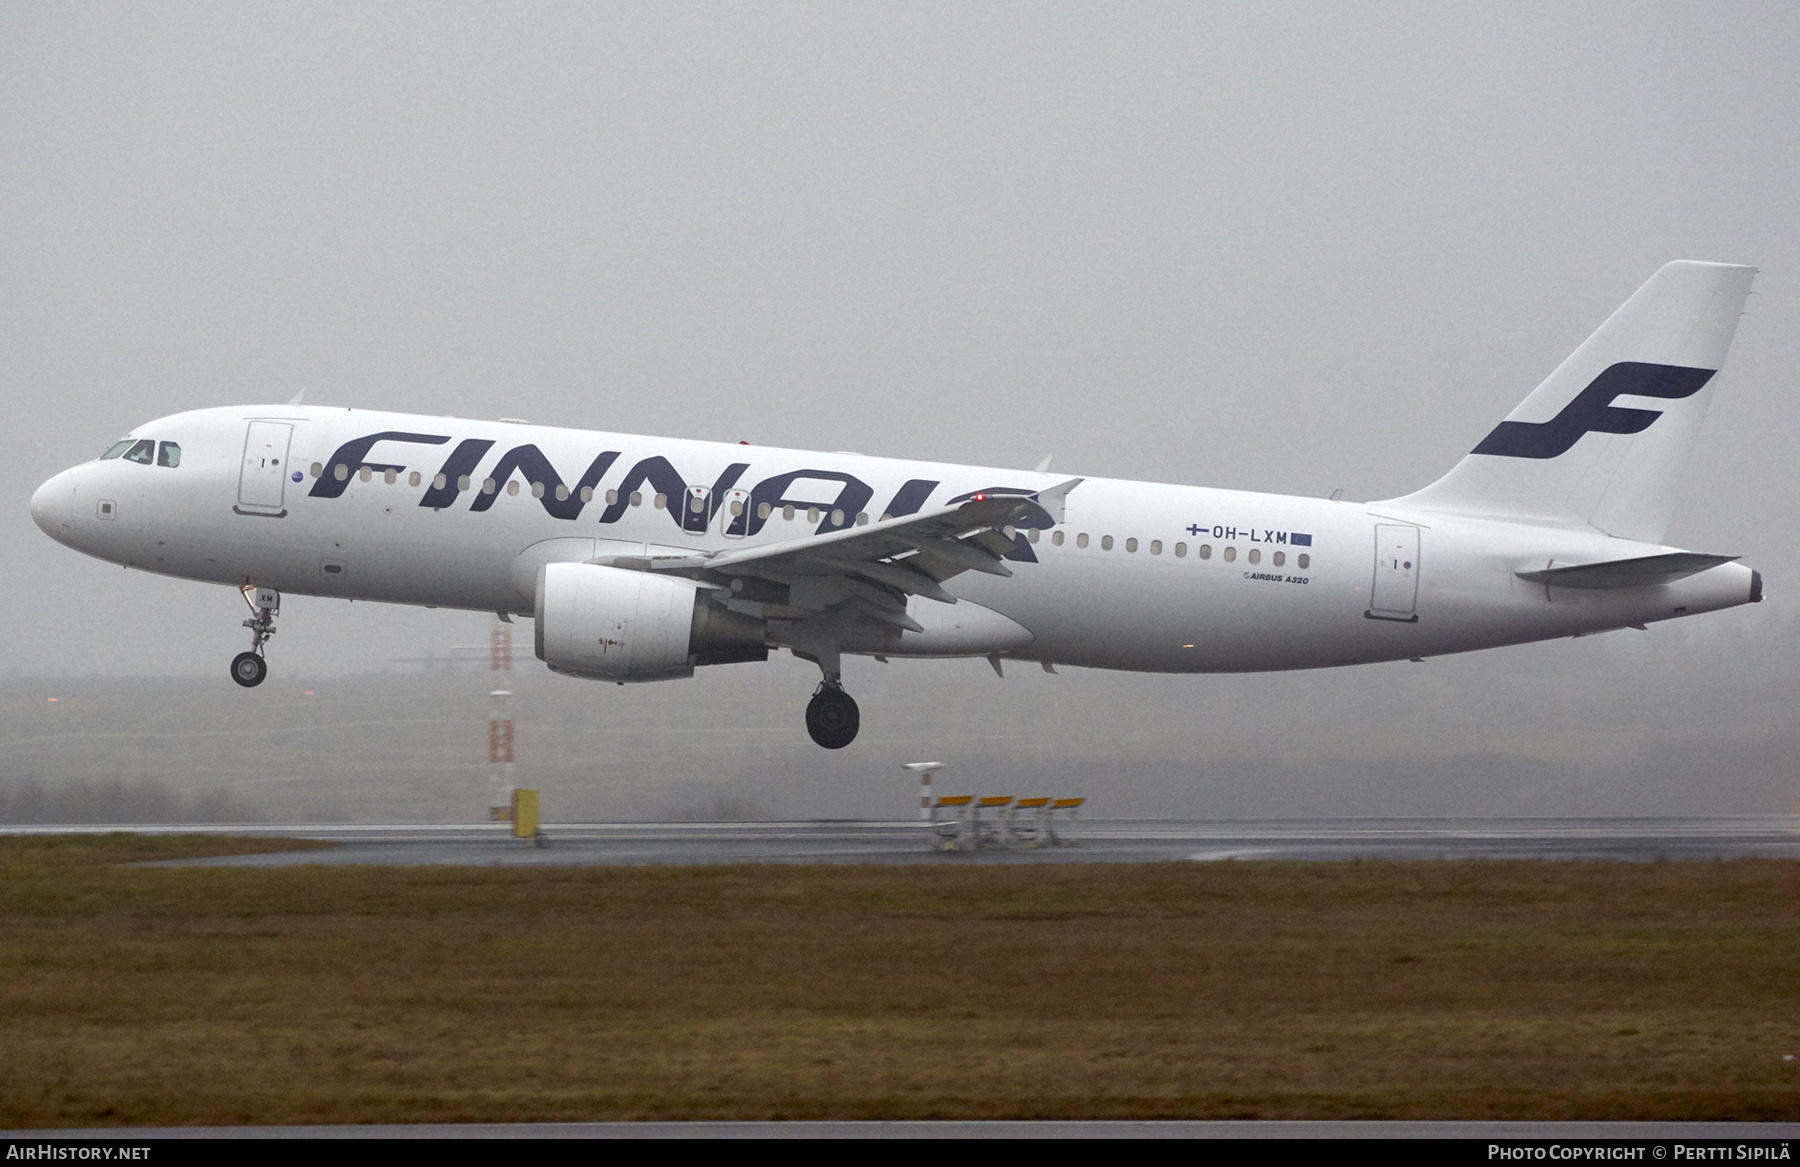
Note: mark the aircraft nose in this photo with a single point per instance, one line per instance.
(53, 506)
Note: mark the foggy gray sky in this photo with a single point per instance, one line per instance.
(1287, 248)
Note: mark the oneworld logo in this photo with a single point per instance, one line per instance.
(1593, 410)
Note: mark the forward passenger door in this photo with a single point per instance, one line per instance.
(262, 480)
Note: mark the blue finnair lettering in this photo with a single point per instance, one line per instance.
(657, 471)
(852, 496)
(1593, 410)
(842, 499)
(462, 461)
(562, 502)
(909, 498)
(350, 457)
(669, 482)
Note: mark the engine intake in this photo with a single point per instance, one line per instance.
(611, 624)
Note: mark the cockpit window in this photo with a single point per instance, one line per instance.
(118, 449)
(168, 454)
(144, 452)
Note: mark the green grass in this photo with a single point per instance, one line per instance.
(1416, 990)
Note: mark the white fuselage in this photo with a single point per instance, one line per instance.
(1140, 576)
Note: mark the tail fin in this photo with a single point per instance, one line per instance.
(1569, 456)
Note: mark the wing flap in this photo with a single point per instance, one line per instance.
(912, 554)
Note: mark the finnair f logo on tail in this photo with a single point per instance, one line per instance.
(1593, 410)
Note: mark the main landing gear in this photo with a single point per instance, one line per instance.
(832, 717)
(249, 668)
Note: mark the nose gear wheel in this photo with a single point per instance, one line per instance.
(249, 668)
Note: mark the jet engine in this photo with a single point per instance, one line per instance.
(612, 624)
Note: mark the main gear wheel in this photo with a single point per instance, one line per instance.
(832, 717)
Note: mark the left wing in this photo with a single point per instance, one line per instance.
(876, 566)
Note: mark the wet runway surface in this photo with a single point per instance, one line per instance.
(1090, 841)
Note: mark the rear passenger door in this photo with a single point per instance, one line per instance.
(1394, 594)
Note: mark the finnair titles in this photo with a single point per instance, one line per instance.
(642, 559)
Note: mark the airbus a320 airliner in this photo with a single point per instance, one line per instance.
(642, 559)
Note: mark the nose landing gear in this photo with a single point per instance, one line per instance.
(249, 668)
(832, 717)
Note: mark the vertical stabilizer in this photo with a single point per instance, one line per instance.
(1602, 442)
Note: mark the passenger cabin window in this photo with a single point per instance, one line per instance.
(1280, 558)
(1305, 560)
(1206, 550)
(1081, 540)
(1181, 550)
(1255, 555)
(1056, 538)
(143, 452)
(116, 450)
(1156, 546)
(1230, 554)
(168, 454)
(1106, 542)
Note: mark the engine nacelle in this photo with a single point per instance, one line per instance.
(611, 624)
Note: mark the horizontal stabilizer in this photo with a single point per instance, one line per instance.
(1643, 572)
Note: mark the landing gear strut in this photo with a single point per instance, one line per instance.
(249, 668)
(832, 717)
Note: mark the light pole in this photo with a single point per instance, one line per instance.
(923, 770)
